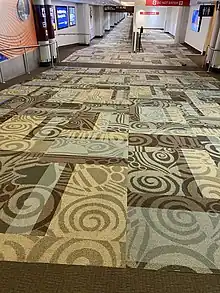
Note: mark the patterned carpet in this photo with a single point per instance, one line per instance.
(112, 167)
(159, 49)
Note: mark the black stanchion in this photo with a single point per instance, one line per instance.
(141, 32)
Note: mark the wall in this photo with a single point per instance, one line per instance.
(67, 39)
(149, 21)
(171, 20)
(16, 27)
(197, 39)
(15, 66)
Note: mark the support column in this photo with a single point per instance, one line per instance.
(118, 17)
(182, 21)
(134, 35)
(107, 18)
(115, 18)
(167, 19)
(99, 21)
(112, 19)
(214, 36)
(51, 36)
(41, 31)
(215, 62)
(83, 23)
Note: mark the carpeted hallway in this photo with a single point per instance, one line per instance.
(109, 176)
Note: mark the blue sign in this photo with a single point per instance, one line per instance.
(62, 17)
(195, 21)
(3, 57)
(72, 16)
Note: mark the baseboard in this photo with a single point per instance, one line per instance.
(72, 45)
(192, 48)
(44, 64)
(152, 28)
(81, 44)
(171, 35)
(213, 69)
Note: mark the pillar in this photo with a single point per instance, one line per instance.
(107, 18)
(51, 36)
(112, 19)
(135, 30)
(214, 36)
(115, 18)
(215, 62)
(83, 14)
(41, 31)
(99, 21)
(182, 21)
(167, 19)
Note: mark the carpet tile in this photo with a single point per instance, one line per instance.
(113, 167)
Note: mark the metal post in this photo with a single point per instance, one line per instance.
(58, 52)
(51, 54)
(132, 42)
(135, 42)
(26, 62)
(2, 76)
(214, 35)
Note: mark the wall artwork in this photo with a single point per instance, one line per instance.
(16, 28)
(195, 21)
(72, 15)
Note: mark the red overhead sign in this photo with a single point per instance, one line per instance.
(149, 13)
(167, 2)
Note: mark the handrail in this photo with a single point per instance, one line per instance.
(73, 34)
(210, 62)
(25, 59)
(26, 47)
(148, 28)
(215, 50)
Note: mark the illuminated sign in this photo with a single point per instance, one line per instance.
(195, 21)
(62, 17)
(72, 16)
(110, 8)
(206, 10)
(167, 2)
(149, 13)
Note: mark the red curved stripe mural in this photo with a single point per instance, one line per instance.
(16, 26)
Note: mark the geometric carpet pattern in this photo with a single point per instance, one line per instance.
(112, 167)
(158, 49)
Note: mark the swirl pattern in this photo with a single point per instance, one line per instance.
(180, 235)
(113, 167)
(96, 217)
(68, 250)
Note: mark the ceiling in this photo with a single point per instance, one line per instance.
(95, 2)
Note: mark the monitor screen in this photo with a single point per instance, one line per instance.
(62, 17)
(72, 16)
